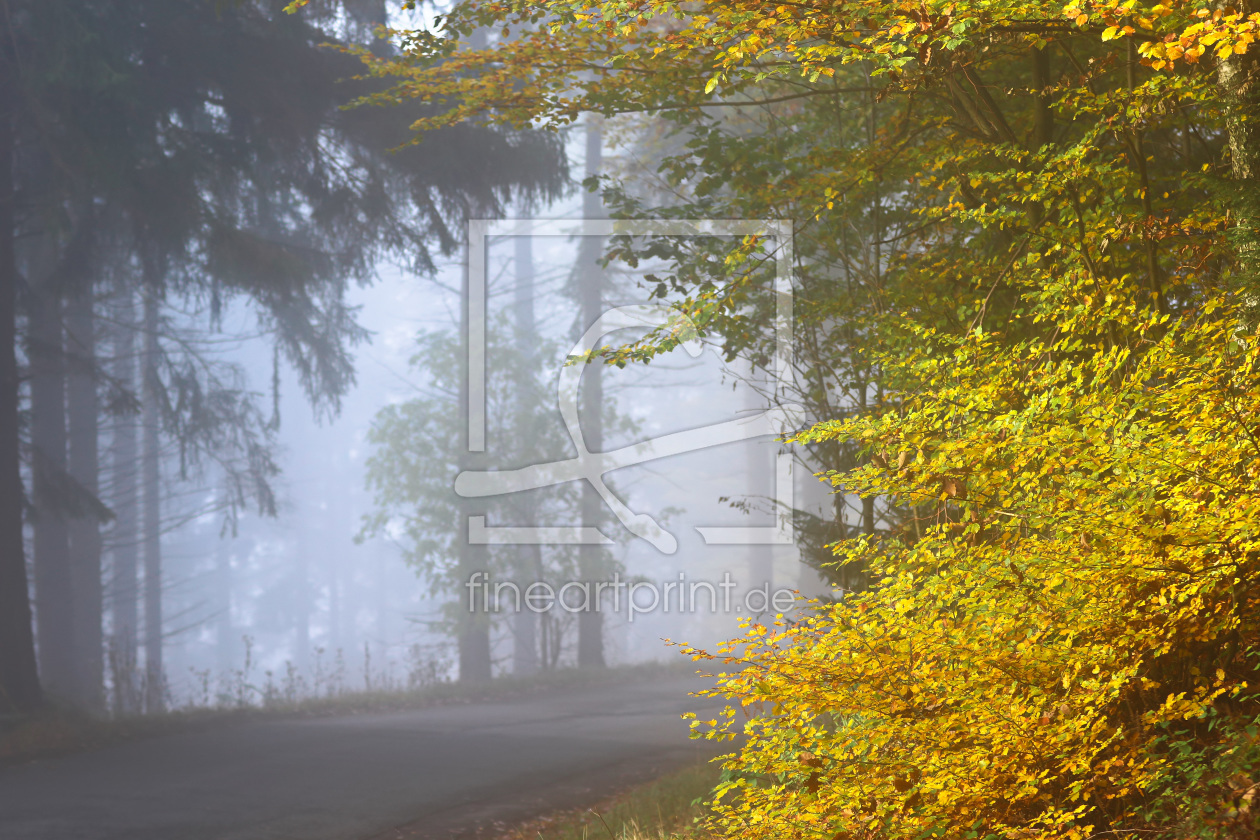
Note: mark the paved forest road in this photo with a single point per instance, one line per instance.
(439, 772)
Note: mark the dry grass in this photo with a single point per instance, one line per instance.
(666, 809)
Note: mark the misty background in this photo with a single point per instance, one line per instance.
(240, 320)
(318, 606)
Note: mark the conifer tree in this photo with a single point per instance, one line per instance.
(219, 148)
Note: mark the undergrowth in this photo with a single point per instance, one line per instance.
(669, 808)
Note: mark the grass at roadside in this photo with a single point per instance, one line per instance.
(57, 731)
(665, 809)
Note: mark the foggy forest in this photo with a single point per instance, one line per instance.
(648, 419)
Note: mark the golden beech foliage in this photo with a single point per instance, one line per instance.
(1060, 201)
(1012, 671)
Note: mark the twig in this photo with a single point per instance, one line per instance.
(600, 817)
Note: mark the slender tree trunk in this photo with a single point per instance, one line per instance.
(302, 602)
(335, 640)
(1043, 115)
(85, 532)
(474, 633)
(383, 624)
(475, 664)
(529, 557)
(761, 486)
(1239, 78)
(19, 678)
(224, 642)
(125, 538)
(591, 558)
(54, 588)
(1043, 126)
(155, 685)
(868, 503)
(877, 270)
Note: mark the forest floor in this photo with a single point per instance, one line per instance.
(58, 731)
(458, 769)
(668, 808)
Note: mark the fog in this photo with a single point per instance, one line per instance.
(261, 337)
(353, 478)
(305, 603)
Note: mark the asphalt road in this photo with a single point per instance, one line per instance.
(430, 773)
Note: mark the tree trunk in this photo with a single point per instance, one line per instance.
(474, 632)
(125, 501)
(528, 557)
(155, 684)
(302, 602)
(1239, 79)
(19, 678)
(85, 532)
(54, 588)
(475, 663)
(868, 503)
(761, 488)
(1043, 114)
(335, 641)
(591, 558)
(224, 641)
